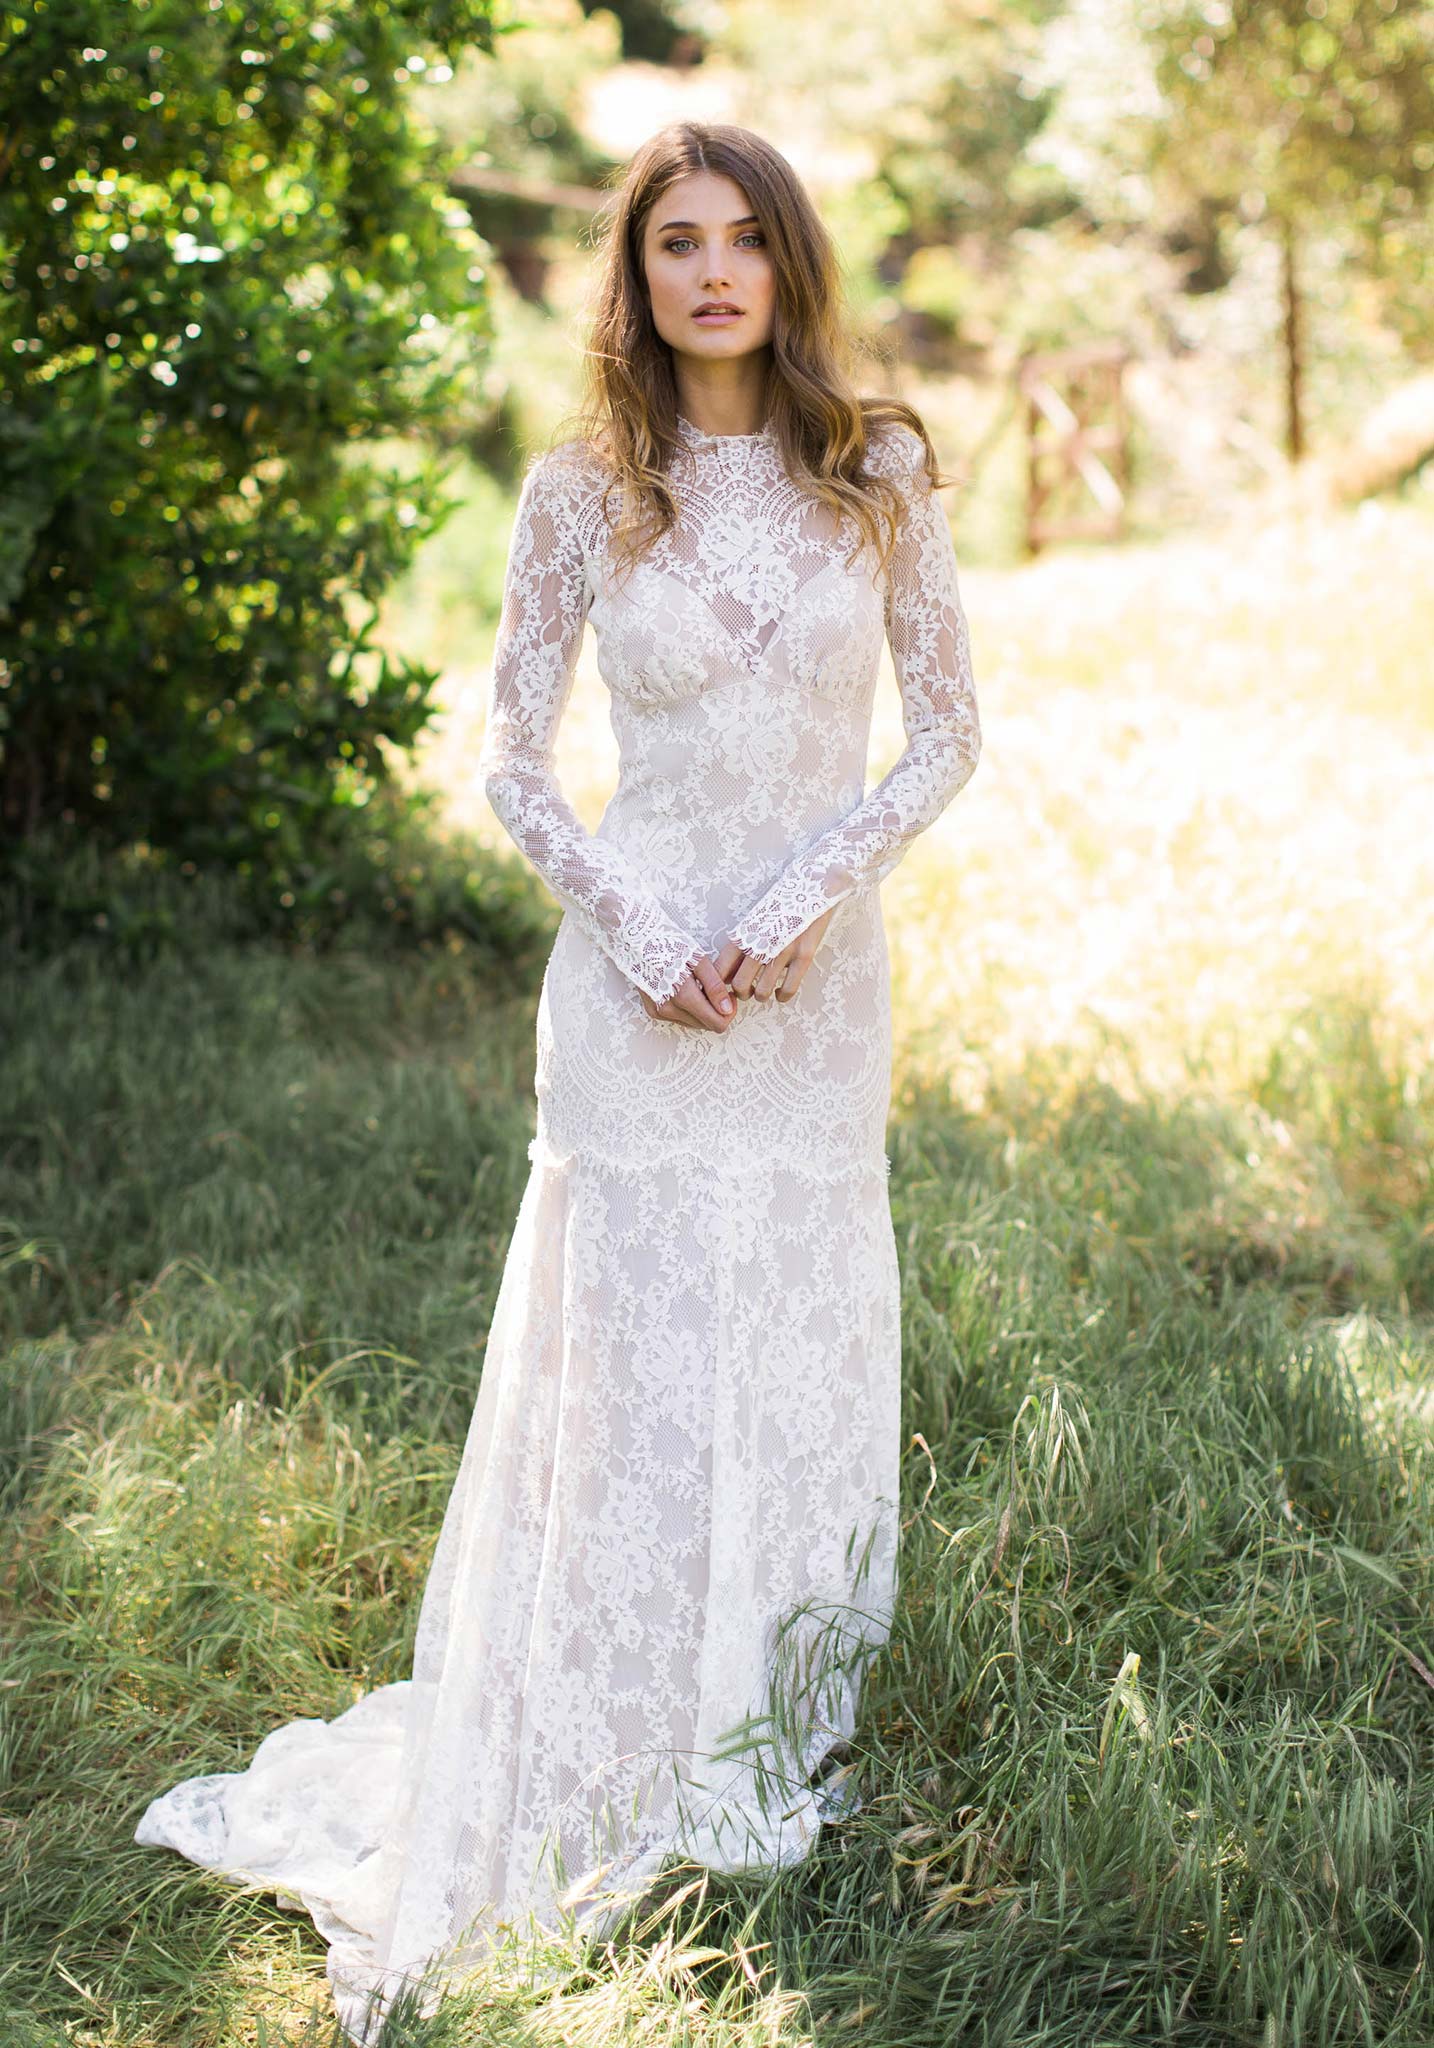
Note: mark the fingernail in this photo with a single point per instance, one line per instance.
(726, 1002)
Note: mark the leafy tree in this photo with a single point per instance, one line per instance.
(653, 32)
(1309, 113)
(229, 268)
(921, 146)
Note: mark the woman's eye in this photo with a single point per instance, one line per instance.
(679, 241)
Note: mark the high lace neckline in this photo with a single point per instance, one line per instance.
(695, 435)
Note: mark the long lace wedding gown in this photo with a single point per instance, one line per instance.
(670, 1547)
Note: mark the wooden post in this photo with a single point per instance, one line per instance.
(1076, 417)
(1294, 343)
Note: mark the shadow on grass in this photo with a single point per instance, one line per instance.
(1147, 1757)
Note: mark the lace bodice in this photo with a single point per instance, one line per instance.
(741, 655)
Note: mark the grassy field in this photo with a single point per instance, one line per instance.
(1150, 1756)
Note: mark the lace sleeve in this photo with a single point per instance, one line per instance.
(545, 603)
(930, 651)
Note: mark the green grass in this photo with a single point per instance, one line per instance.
(1149, 1757)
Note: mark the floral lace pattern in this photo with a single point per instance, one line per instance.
(742, 658)
(670, 1549)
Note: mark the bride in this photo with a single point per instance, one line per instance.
(670, 1550)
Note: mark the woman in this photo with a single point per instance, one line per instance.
(670, 1548)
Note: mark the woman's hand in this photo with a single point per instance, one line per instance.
(701, 999)
(746, 975)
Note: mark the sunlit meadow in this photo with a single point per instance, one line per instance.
(1150, 1755)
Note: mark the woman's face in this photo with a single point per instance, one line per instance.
(702, 243)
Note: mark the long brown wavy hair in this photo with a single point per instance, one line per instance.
(628, 409)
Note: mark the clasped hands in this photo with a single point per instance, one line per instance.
(708, 994)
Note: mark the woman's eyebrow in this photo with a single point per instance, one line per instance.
(746, 217)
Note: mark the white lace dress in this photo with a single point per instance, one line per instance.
(670, 1547)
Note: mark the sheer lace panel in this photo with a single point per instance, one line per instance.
(930, 648)
(545, 603)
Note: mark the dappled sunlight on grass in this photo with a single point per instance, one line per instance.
(1146, 1757)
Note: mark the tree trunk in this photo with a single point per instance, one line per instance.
(1294, 344)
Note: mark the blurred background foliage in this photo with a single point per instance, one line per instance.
(290, 293)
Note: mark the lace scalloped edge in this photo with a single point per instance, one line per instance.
(542, 1152)
(683, 970)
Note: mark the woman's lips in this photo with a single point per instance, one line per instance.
(716, 319)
